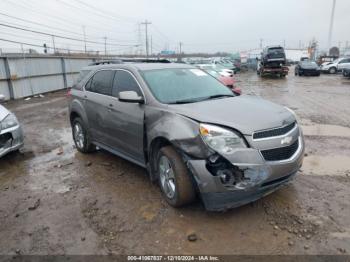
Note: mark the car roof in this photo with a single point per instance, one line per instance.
(139, 66)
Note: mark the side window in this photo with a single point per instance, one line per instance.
(124, 81)
(88, 84)
(101, 82)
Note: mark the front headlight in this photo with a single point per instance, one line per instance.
(221, 140)
(9, 121)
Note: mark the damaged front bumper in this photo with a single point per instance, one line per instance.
(11, 139)
(255, 177)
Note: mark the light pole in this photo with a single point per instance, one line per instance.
(331, 26)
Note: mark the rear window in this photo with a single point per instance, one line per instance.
(101, 82)
(81, 76)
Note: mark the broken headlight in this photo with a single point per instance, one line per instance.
(8, 122)
(221, 140)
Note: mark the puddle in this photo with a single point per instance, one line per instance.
(335, 165)
(326, 130)
(341, 235)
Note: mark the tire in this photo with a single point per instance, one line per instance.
(174, 178)
(295, 73)
(81, 139)
(332, 70)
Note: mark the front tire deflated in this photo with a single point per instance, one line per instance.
(174, 178)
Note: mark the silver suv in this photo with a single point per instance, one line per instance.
(191, 133)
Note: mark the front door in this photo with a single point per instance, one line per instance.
(126, 120)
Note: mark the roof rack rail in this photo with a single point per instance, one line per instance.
(145, 60)
(106, 62)
(129, 60)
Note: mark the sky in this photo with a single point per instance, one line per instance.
(200, 25)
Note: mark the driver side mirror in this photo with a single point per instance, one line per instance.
(130, 97)
(2, 98)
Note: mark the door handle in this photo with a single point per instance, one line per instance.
(110, 105)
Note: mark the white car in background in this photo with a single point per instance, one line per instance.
(336, 66)
(11, 134)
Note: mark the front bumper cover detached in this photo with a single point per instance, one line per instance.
(11, 139)
(263, 178)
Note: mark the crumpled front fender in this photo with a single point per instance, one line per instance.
(181, 131)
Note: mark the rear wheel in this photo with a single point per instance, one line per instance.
(174, 178)
(81, 136)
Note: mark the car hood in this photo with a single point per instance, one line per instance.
(329, 64)
(3, 112)
(243, 113)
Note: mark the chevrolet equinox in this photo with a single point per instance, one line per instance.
(191, 133)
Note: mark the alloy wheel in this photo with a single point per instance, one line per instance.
(79, 137)
(167, 177)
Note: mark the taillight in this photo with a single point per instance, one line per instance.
(69, 92)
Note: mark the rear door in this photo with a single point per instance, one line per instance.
(126, 120)
(98, 96)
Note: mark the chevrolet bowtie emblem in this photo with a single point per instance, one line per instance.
(287, 140)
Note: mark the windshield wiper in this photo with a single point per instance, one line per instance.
(185, 101)
(188, 101)
(218, 96)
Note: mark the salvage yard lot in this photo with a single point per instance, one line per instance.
(54, 200)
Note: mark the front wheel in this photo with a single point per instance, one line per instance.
(332, 70)
(174, 178)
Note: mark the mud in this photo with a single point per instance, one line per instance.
(101, 204)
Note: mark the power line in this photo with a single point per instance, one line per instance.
(49, 47)
(34, 45)
(64, 22)
(113, 15)
(59, 36)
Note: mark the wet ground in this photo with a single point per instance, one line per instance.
(54, 200)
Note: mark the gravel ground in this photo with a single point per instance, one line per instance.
(54, 200)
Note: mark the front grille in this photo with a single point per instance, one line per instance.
(274, 132)
(281, 153)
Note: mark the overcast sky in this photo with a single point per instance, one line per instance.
(202, 25)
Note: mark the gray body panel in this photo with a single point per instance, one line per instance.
(129, 129)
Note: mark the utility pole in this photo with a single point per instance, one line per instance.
(284, 44)
(105, 38)
(151, 45)
(180, 45)
(261, 43)
(139, 38)
(53, 44)
(331, 26)
(146, 23)
(84, 38)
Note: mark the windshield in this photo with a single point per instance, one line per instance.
(171, 86)
(336, 61)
